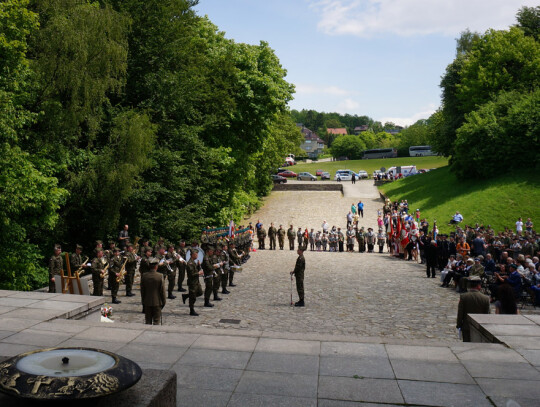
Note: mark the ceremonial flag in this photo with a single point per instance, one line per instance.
(231, 228)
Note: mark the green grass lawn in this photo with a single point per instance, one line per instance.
(496, 202)
(370, 165)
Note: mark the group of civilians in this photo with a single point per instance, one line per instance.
(507, 262)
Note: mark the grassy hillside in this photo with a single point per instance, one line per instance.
(371, 165)
(497, 202)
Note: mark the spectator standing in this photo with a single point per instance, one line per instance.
(431, 259)
(479, 245)
(529, 225)
(350, 218)
(519, 226)
(463, 248)
(353, 178)
(353, 208)
(325, 226)
(123, 238)
(361, 208)
(471, 302)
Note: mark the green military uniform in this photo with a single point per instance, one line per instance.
(272, 231)
(224, 258)
(181, 250)
(471, 302)
(98, 264)
(194, 286)
(298, 272)
(144, 265)
(152, 295)
(261, 235)
(291, 236)
(361, 240)
(208, 269)
(56, 264)
(300, 237)
(171, 273)
(114, 268)
(75, 261)
(162, 264)
(234, 260)
(131, 265)
(218, 272)
(281, 237)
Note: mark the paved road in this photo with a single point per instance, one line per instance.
(367, 295)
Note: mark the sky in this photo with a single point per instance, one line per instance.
(380, 58)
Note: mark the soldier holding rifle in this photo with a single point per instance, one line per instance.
(56, 263)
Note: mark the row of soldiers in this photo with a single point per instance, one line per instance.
(170, 262)
(334, 239)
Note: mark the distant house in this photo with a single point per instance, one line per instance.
(313, 145)
(337, 132)
(360, 129)
(395, 130)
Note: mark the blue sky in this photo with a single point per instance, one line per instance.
(380, 58)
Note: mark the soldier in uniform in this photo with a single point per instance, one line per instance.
(76, 260)
(208, 272)
(224, 258)
(144, 266)
(193, 269)
(472, 302)
(341, 238)
(291, 236)
(98, 264)
(131, 265)
(160, 244)
(312, 240)
(235, 259)
(109, 253)
(361, 240)
(281, 236)
(181, 250)
(114, 270)
(56, 264)
(152, 294)
(261, 235)
(171, 270)
(142, 247)
(381, 239)
(162, 261)
(298, 272)
(218, 272)
(272, 231)
(97, 246)
(300, 236)
(370, 240)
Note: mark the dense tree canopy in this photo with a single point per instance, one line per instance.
(138, 112)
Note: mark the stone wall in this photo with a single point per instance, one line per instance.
(309, 186)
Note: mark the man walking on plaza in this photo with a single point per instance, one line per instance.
(152, 294)
(281, 236)
(298, 272)
(472, 302)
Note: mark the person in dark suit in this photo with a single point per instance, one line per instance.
(471, 302)
(431, 258)
(153, 294)
(298, 272)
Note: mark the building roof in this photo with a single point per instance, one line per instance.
(363, 127)
(342, 130)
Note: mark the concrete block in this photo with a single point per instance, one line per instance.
(284, 363)
(443, 394)
(166, 338)
(367, 390)
(352, 349)
(431, 371)
(105, 334)
(510, 388)
(424, 353)
(42, 339)
(222, 342)
(207, 378)
(372, 367)
(493, 354)
(13, 349)
(269, 345)
(489, 369)
(280, 384)
(265, 400)
(87, 343)
(215, 358)
(139, 352)
(16, 302)
(194, 397)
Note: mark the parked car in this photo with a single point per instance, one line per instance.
(278, 179)
(306, 176)
(288, 174)
(280, 170)
(362, 174)
(318, 173)
(343, 175)
(325, 175)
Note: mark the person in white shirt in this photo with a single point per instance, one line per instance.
(519, 226)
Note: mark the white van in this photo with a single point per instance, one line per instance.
(405, 170)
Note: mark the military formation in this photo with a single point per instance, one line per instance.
(163, 268)
(329, 239)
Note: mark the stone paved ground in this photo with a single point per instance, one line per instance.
(368, 295)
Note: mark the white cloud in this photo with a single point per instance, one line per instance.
(306, 89)
(348, 106)
(407, 121)
(366, 18)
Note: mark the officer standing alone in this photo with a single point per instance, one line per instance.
(298, 272)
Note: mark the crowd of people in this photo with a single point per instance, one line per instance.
(506, 263)
(164, 267)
